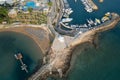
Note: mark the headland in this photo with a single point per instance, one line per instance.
(58, 54)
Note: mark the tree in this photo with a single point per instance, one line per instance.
(30, 9)
(4, 14)
(50, 3)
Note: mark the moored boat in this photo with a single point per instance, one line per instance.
(67, 20)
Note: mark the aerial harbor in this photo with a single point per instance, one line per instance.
(59, 40)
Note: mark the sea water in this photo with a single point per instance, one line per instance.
(102, 63)
(12, 43)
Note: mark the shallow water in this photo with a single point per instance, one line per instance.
(12, 43)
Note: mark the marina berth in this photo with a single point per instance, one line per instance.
(67, 12)
(97, 21)
(66, 20)
(89, 5)
(91, 24)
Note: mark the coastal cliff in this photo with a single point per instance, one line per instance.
(59, 56)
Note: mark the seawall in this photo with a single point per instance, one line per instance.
(59, 56)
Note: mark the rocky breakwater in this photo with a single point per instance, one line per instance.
(59, 56)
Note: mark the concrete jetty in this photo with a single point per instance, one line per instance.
(23, 66)
(61, 50)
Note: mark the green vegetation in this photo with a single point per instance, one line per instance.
(30, 9)
(3, 14)
(50, 4)
(31, 18)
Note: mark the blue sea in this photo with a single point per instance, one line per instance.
(103, 62)
(89, 62)
(12, 43)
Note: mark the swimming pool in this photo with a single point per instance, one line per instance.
(29, 4)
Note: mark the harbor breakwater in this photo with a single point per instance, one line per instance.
(60, 54)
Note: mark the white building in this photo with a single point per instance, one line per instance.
(8, 1)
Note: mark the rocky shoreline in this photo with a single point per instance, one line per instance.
(59, 56)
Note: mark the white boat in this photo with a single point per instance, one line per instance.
(88, 21)
(63, 10)
(88, 7)
(85, 25)
(66, 24)
(108, 14)
(89, 25)
(67, 20)
(68, 11)
(65, 15)
(73, 26)
(97, 21)
(91, 22)
(105, 19)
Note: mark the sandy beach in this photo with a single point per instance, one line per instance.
(59, 56)
(44, 43)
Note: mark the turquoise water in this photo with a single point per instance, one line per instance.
(29, 4)
(102, 63)
(11, 43)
